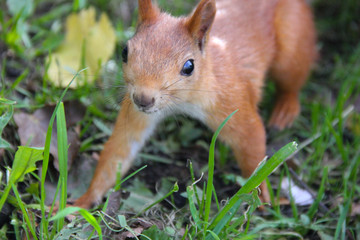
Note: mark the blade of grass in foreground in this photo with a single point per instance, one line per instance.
(350, 180)
(209, 187)
(24, 162)
(24, 211)
(45, 165)
(292, 200)
(86, 214)
(314, 207)
(63, 158)
(194, 213)
(265, 169)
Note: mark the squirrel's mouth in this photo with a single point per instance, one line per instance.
(146, 110)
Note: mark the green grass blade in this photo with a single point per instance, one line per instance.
(271, 192)
(314, 207)
(11, 200)
(6, 101)
(229, 214)
(174, 189)
(20, 78)
(185, 233)
(24, 211)
(341, 224)
(292, 200)
(264, 170)
(15, 222)
(130, 176)
(44, 219)
(4, 62)
(348, 194)
(202, 203)
(278, 192)
(86, 214)
(214, 235)
(24, 162)
(63, 158)
(193, 181)
(4, 195)
(211, 164)
(194, 212)
(216, 198)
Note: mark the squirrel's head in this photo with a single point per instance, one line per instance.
(164, 60)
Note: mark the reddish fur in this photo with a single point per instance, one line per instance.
(147, 11)
(237, 49)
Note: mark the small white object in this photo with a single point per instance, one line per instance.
(300, 196)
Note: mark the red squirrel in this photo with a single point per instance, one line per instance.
(207, 65)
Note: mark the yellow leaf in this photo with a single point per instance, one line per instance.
(88, 44)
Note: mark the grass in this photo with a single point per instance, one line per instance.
(326, 161)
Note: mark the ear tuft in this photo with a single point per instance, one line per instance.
(199, 23)
(147, 11)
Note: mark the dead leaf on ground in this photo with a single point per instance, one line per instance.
(126, 235)
(114, 203)
(33, 127)
(79, 178)
(355, 209)
(88, 44)
(1, 153)
(137, 227)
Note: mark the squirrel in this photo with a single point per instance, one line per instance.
(206, 65)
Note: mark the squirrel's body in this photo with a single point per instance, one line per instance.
(207, 65)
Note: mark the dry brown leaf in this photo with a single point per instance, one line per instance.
(33, 127)
(1, 153)
(355, 209)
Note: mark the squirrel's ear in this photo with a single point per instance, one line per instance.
(147, 11)
(199, 23)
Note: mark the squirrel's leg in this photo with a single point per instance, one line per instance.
(131, 130)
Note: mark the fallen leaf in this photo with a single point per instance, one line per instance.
(79, 178)
(134, 234)
(33, 127)
(114, 203)
(355, 209)
(88, 44)
(137, 227)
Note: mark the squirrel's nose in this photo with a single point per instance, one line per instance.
(143, 102)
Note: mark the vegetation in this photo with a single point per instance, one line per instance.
(165, 196)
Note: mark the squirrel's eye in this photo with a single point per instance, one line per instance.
(124, 54)
(188, 68)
